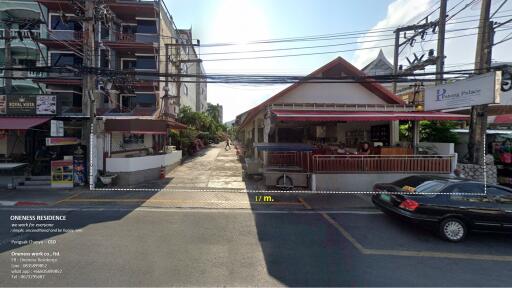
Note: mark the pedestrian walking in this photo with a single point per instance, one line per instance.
(228, 144)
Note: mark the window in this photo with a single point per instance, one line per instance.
(65, 59)
(146, 100)
(185, 90)
(58, 24)
(472, 192)
(430, 187)
(105, 32)
(128, 29)
(128, 64)
(413, 181)
(139, 100)
(499, 195)
(146, 62)
(104, 58)
(70, 101)
(27, 62)
(146, 26)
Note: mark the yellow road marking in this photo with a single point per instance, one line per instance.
(407, 253)
(176, 201)
(67, 198)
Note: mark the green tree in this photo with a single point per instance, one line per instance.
(438, 131)
(214, 112)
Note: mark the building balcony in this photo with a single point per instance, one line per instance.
(133, 42)
(62, 39)
(25, 83)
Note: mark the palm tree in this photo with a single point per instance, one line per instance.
(214, 112)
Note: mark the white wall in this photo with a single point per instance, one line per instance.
(142, 163)
(343, 93)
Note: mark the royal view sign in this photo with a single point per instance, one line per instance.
(31, 105)
(476, 90)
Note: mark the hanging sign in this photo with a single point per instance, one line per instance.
(476, 90)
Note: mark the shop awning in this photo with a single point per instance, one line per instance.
(500, 119)
(334, 116)
(21, 123)
(284, 147)
(136, 126)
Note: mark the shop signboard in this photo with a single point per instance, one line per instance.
(46, 104)
(62, 174)
(32, 104)
(476, 90)
(3, 104)
(56, 128)
(61, 141)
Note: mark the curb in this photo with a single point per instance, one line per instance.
(22, 203)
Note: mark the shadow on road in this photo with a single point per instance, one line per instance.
(15, 237)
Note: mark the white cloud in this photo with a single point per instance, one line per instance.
(460, 44)
(399, 12)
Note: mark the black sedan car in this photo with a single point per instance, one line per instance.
(455, 206)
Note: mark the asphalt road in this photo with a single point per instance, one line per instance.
(200, 227)
(118, 246)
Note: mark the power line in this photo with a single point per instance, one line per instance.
(325, 52)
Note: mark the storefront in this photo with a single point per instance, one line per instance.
(136, 150)
(33, 135)
(354, 128)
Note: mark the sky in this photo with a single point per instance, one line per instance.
(242, 21)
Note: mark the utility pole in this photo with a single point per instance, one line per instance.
(419, 30)
(395, 57)
(8, 59)
(440, 42)
(89, 81)
(478, 122)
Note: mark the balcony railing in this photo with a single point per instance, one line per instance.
(332, 164)
(65, 35)
(126, 37)
(383, 163)
(24, 33)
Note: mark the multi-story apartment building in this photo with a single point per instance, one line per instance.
(131, 114)
(21, 16)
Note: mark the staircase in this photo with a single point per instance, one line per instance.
(35, 182)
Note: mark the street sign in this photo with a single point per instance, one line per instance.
(476, 90)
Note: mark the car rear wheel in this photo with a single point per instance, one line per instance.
(453, 230)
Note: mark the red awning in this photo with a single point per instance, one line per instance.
(21, 123)
(501, 119)
(332, 116)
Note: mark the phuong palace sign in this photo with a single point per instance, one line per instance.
(476, 90)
